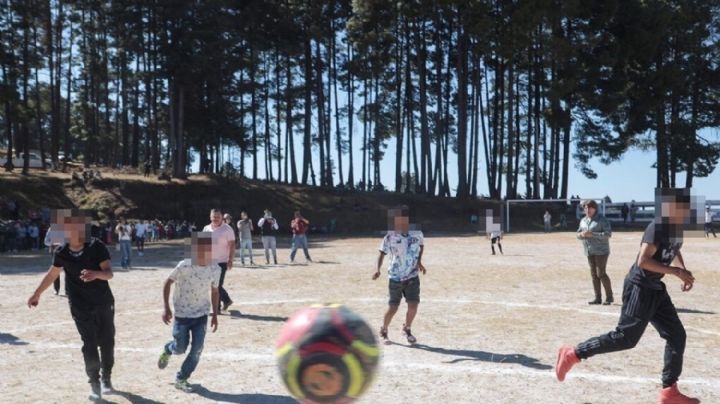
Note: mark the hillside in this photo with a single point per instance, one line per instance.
(132, 196)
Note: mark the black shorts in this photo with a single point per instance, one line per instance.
(495, 240)
(410, 289)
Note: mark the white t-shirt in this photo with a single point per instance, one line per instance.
(494, 234)
(708, 216)
(221, 236)
(123, 232)
(191, 298)
(140, 229)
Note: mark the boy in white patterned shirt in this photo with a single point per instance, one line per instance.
(405, 248)
(191, 300)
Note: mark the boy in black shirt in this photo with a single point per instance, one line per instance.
(645, 297)
(87, 271)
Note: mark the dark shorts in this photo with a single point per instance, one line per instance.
(495, 240)
(410, 289)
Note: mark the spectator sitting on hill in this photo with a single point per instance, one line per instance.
(77, 179)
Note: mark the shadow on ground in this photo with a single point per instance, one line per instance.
(131, 397)
(243, 398)
(10, 339)
(693, 311)
(482, 356)
(255, 317)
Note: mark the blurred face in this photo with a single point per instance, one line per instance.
(215, 218)
(676, 212)
(74, 229)
(590, 210)
(201, 253)
(402, 224)
(297, 214)
(243, 216)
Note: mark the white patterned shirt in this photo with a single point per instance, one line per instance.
(191, 298)
(404, 251)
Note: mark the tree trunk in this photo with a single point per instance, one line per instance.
(462, 73)
(351, 118)
(307, 141)
(253, 113)
(425, 159)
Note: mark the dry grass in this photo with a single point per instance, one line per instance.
(488, 326)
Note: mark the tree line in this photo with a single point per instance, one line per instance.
(515, 91)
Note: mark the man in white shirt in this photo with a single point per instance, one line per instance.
(125, 239)
(223, 250)
(192, 278)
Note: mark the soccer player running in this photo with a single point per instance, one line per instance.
(495, 237)
(406, 249)
(299, 227)
(193, 279)
(645, 297)
(86, 262)
(223, 250)
(708, 223)
(595, 232)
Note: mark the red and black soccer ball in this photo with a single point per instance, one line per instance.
(327, 354)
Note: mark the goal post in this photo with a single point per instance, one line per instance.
(569, 202)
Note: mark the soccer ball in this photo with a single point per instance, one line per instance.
(326, 354)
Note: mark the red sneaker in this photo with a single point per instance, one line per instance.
(565, 361)
(671, 395)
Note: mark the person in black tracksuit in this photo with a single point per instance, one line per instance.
(646, 300)
(87, 271)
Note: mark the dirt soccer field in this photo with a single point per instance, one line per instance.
(488, 327)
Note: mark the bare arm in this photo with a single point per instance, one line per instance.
(380, 259)
(421, 267)
(52, 274)
(647, 262)
(215, 296)
(231, 247)
(167, 315)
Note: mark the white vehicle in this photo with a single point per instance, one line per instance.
(35, 161)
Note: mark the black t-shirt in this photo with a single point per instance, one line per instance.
(268, 228)
(80, 293)
(667, 249)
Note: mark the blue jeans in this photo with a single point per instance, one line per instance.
(125, 250)
(182, 328)
(299, 240)
(245, 245)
